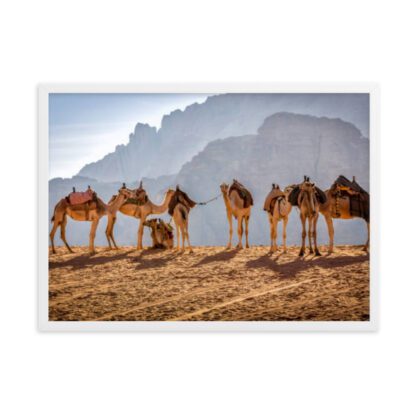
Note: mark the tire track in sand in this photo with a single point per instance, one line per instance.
(251, 295)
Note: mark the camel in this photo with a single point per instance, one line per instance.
(91, 211)
(140, 207)
(237, 204)
(179, 208)
(161, 233)
(278, 209)
(305, 196)
(337, 206)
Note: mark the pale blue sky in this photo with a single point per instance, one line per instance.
(85, 127)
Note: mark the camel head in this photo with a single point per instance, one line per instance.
(151, 223)
(224, 188)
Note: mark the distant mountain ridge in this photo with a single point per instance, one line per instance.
(151, 152)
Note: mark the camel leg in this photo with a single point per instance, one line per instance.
(302, 249)
(272, 234)
(230, 223)
(52, 235)
(285, 219)
(63, 236)
(112, 233)
(92, 234)
(315, 242)
(240, 232)
(367, 244)
(183, 237)
(330, 226)
(108, 231)
(246, 220)
(310, 234)
(178, 246)
(140, 234)
(187, 238)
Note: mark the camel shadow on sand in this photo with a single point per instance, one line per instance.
(142, 262)
(87, 260)
(224, 255)
(291, 269)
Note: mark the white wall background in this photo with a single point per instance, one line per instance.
(206, 374)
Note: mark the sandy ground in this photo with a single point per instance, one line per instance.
(210, 284)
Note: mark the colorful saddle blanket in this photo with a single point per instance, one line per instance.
(76, 198)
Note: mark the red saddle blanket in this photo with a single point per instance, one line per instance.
(80, 197)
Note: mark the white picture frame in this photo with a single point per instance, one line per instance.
(43, 221)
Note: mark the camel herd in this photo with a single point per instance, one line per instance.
(344, 200)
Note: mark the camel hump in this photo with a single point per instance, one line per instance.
(180, 197)
(343, 181)
(271, 198)
(293, 195)
(243, 192)
(320, 195)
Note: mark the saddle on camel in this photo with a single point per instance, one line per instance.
(243, 192)
(180, 197)
(161, 233)
(275, 195)
(86, 200)
(359, 198)
(294, 194)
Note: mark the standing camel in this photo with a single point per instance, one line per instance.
(140, 206)
(238, 202)
(305, 196)
(179, 208)
(345, 200)
(278, 209)
(90, 211)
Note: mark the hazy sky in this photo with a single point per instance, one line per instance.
(85, 127)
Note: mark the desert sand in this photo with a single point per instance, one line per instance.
(209, 284)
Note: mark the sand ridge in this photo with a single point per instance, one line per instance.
(210, 284)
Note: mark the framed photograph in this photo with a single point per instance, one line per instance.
(208, 207)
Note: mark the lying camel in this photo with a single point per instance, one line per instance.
(161, 233)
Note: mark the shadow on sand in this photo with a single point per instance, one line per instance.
(143, 263)
(86, 260)
(290, 270)
(221, 256)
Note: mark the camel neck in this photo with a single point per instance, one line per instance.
(160, 209)
(115, 205)
(226, 199)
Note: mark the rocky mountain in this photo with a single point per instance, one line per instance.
(183, 134)
(285, 147)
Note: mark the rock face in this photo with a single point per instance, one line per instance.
(183, 134)
(286, 147)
